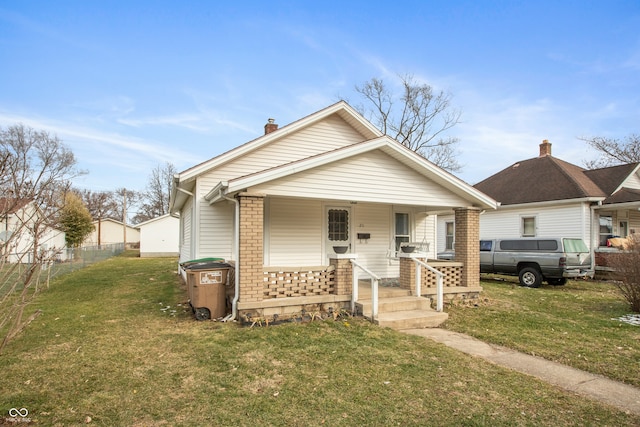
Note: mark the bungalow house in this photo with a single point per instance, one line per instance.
(277, 206)
(545, 196)
(108, 231)
(159, 237)
(22, 227)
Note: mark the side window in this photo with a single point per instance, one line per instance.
(401, 229)
(519, 245)
(528, 226)
(449, 231)
(485, 245)
(548, 245)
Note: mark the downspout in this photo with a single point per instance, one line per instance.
(592, 246)
(236, 243)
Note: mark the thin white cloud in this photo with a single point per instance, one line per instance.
(74, 135)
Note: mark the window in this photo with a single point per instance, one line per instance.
(606, 229)
(402, 229)
(338, 225)
(529, 226)
(485, 245)
(449, 230)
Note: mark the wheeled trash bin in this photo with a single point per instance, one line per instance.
(206, 288)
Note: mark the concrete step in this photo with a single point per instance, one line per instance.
(387, 305)
(364, 292)
(411, 319)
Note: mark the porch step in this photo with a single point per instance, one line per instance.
(411, 319)
(403, 312)
(388, 305)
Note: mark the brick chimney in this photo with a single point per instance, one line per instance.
(545, 148)
(270, 126)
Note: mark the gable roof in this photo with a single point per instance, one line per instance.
(546, 178)
(538, 180)
(612, 178)
(384, 143)
(341, 108)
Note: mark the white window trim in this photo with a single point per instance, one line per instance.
(535, 225)
(394, 253)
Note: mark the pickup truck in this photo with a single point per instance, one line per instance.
(536, 259)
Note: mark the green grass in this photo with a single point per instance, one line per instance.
(109, 346)
(570, 324)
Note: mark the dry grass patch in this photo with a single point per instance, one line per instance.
(105, 349)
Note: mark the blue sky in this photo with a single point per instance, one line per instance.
(129, 85)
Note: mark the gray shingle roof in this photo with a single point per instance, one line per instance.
(546, 178)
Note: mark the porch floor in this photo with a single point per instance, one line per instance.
(398, 309)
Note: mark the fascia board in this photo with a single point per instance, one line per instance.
(552, 203)
(214, 194)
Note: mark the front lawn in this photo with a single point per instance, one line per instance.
(572, 324)
(114, 345)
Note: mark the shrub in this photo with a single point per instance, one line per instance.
(627, 267)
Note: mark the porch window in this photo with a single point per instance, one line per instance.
(606, 229)
(529, 226)
(449, 233)
(338, 225)
(402, 229)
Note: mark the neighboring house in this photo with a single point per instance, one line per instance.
(17, 238)
(277, 205)
(109, 231)
(548, 197)
(159, 237)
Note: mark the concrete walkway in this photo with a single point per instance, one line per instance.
(597, 387)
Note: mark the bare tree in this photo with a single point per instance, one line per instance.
(36, 172)
(614, 151)
(418, 118)
(101, 205)
(155, 198)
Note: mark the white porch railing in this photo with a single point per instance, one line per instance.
(439, 286)
(374, 289)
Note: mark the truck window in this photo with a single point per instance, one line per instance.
(485, 245)
(548, 245)
(519, 245)
(575, 246)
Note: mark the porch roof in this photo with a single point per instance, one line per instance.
(386, 144)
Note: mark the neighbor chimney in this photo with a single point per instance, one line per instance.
(545, 148)
(270, 127)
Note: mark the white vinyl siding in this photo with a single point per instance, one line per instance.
(216, 230)
(373, 252)
(368, 177)
(551, 221)
(633, 181)
(185, 232)
(294, 233)
(329, 134)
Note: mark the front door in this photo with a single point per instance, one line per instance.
(337, 228)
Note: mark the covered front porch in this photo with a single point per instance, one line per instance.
(279, 291)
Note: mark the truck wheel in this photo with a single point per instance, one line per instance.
(530, 277)
(557, 282)
(203, 313)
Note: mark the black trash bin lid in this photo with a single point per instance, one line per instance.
(211, 265)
